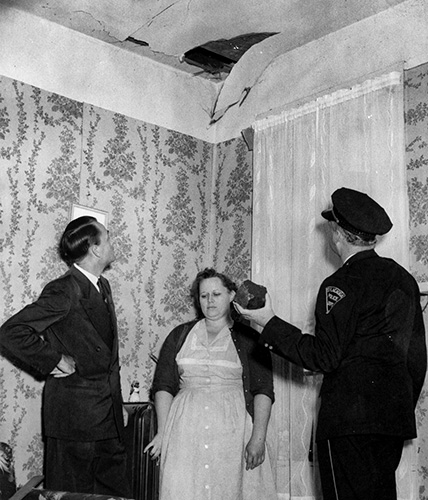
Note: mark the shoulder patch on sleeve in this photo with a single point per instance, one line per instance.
(333, 295)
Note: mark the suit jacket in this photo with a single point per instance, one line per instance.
(370, 344)
(70, 317)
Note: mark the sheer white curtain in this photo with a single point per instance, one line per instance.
(352, 138)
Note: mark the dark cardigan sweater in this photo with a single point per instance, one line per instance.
(256, 362)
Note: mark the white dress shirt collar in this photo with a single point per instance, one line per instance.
(91, 277)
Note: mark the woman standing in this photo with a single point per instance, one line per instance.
(213, 394)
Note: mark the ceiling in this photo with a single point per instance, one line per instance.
(203, 37)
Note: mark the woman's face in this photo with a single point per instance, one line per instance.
(215, 298)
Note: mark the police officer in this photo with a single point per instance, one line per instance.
(370, 345)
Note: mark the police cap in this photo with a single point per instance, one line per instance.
(357, 213)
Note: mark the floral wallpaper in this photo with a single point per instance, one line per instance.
(416, 126)
(175, 205)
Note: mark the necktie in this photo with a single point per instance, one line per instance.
(107, 330)
(102, 290)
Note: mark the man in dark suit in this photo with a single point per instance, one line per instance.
(69, 335)
(370, 345)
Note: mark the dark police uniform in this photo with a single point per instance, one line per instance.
(370, 345)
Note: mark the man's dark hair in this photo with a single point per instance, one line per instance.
(203, 275)
(78, 236)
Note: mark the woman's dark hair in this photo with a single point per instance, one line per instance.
(208, 272)
(78, 236)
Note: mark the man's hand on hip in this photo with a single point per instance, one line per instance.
(65, 367)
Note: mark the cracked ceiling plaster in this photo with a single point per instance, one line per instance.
(164, 30)
(169, 28)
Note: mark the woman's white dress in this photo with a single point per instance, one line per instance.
(208, 427)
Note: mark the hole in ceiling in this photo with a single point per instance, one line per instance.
(219, 56)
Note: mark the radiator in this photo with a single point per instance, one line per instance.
(143, 472)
